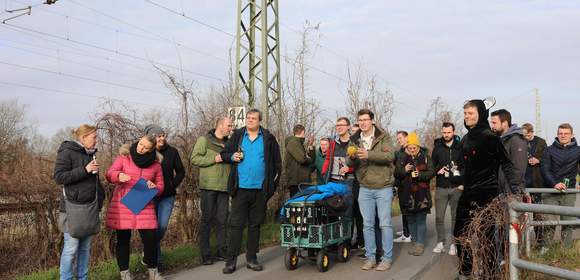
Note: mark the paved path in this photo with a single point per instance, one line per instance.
(404, 266)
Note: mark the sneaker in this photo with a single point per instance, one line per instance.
(362, 254)
(368, 265)
(452, 250)
(384, 265)
(400, 233)
(440, 248)
(154, 274)
(126, 275)
(403, 239)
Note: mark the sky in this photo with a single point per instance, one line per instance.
(457, 50)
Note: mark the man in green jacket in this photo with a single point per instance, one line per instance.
(213, 183)
(320, 158)
(298, 159)
(373, 164)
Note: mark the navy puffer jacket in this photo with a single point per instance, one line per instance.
(559, 162)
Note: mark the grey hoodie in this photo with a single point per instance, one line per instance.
(516, 147)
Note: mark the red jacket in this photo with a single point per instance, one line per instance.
(328, 162)
(118, 215)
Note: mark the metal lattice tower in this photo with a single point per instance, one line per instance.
(258, 55)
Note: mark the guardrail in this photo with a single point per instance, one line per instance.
(517, 207)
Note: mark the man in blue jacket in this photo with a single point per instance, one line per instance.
(559, 169)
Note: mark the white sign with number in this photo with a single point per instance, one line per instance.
(238, 116)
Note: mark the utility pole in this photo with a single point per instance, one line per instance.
(258, 65)
(538, 116)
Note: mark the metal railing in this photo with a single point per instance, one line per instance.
(518, 207)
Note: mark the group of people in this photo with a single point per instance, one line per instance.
(240, 170)
(495, 158)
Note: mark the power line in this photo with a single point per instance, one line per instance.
(156, 36)
(190, 18)
(115, 52)
(72, 62)
(78, 51)
(79, 77)
(80, 94)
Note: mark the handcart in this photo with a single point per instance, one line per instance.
(316, 229)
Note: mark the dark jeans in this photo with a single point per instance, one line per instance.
(248, 208)
(358, 221)
(418, 227)
(469, 201)
(214, 210)
(406, 231)
(123, 248)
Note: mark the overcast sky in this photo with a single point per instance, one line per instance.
(458, 50)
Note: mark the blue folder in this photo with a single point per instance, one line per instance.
(139, 196)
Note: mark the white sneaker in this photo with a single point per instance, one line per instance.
(452, 250)
(439, 248)
(399, 233)
(403, 239)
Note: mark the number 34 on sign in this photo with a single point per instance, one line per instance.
(237, 115)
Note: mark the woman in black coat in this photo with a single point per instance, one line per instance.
(77, 170)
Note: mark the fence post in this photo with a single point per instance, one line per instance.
(513, 240)
(529, 231)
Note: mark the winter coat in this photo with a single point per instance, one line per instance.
(69, 170)
(298, 161)
(329, 160)
(272, 158)
(319, 159)
(118, 215)
(535, 172)
(442, 156)
(516, 146)
(483, 155)
(414, 193)
(212, 176)
(376, 172)
(560, 162)
(173, 171)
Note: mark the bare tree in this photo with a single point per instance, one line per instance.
(430, 127)
(363, 92)
(12, 128)
(298, 107)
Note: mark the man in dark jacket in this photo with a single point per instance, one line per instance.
(514, 142)
(560, 168)
(173, 174)
(483, 155)
(448, 164)
(254, 176)
(298, 159)
(536, 148)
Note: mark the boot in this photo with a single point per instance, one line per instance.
(154, 274)
(230, 266)
(126, 275)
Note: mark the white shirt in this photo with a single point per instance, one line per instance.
(367, 141)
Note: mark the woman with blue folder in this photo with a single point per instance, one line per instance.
(136, 173)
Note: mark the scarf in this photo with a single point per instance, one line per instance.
(142, 161)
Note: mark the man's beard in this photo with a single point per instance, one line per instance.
(447, 140)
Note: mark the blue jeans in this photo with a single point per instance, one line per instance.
(163, 207)
(79, 249)
(372, 203)
(418, 227)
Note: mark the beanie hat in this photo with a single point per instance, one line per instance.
(154, 130)
(413, 139)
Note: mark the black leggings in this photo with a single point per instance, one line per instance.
(123, 249)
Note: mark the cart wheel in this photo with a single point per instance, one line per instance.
(343, 252)
(322, 261)
(291, 259)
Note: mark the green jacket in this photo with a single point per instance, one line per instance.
(318, 163)
(376, 172)
(212, 176)
(298, 161)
